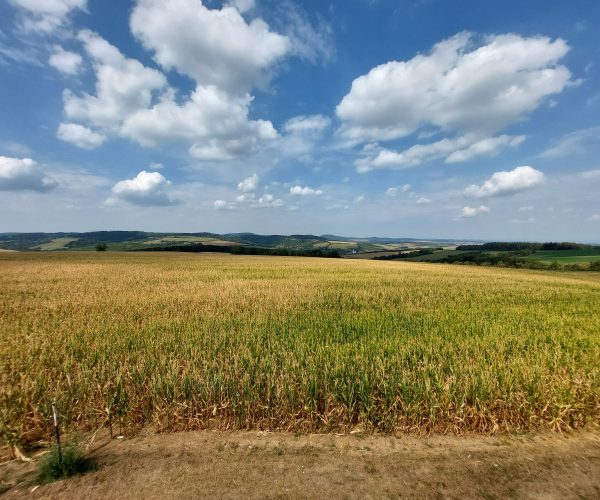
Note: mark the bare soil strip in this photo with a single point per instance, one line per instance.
(268, 465)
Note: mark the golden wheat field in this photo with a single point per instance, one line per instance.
(188, 341)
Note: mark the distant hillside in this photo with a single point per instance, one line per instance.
(138, 240)
(395, 241)
(550, 255)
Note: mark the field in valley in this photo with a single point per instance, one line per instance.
(567, 256)
(193, 341)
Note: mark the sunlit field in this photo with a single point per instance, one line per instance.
(189, 341)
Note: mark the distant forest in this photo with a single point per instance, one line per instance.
(244, 250)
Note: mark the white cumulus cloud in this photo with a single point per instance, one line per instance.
(224, 205)
(79, 135)
(249, 184)
(212, 46)
(123, 86)
(305, 191)
(136, 102)
(267, 200)
(305, 123)
(24, 174)
(65, 61)
(456, 87)
(47, 15)
(468, 212)
(145, 189)
(504, 183)
(213, 122)
(467, 90)
(248, 197)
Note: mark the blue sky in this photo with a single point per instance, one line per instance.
(430, 118)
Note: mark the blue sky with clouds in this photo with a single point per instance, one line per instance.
(430, 118)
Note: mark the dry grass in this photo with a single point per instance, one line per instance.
(184, 341)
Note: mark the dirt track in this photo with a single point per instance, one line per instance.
(255, 465)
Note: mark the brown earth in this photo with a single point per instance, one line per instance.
(264, 465)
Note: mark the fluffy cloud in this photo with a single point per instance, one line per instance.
(224, 205)
(146, 189)
(455, 88)
(453, 150)
(249, 184)
(123, 86)
(79, 135)
(305, 191)
(267, 200)
(459, 88)
(302, 123)
(423, 201)
(215, 123)
(47, 15)
(23, 175)
(135, 102)
(64, 61)
(504, 183)
(248, 197)
(212, 46)
(468, 212)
